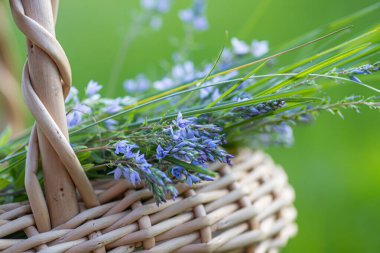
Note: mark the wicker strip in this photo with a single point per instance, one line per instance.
(254, 211)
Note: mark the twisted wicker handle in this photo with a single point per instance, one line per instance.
(44, 93)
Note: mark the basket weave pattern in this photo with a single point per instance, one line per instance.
(249, 206)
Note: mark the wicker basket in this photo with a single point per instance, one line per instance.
(248, 207)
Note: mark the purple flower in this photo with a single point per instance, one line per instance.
(140, 158)
(131, 175)
(195, 16)
(113, 106)
(191, 179)
(211, 143)
(205, 177)
(146, 168)
(355, 79)
(161, 153)
(92, 88)
(148, 4)
(73, 95)
(117, 172)
(183, 72)
(161, 6)
(175, 134)
(163, 84)
(227, 159)
(226, 57)
(285, 132)
(84, 109)
(205, 92)
(74, 118)
(111, 124)
(142, 163)
(130, 85)
(254, 111)
(162, 175)
(259, 48)
(359, 72)
(173, 191)
(186, 15)
(200, 24)
(140, 84)
(122, 147)
(134, 177)
(239, 47)
(177, 172)
(129, 154)
(180, 122)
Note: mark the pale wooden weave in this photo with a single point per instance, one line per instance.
(249, 206)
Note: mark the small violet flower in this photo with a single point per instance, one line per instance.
(239, 47)
(74, 117)
(132, 176)
(73, 95)
(177, 172)
(140, 158)
(191, 179)
(139, 84)
(162, 175)
(205, 92)
(180, 122)
(355, 79)
(183, 72)
(142, 163)
(113, 106)
(160, 6)
(259, 48)
(117, 173)
(163, 84)
(111, 124)
(186, 15)
(195, 16)
(205, 177)
(92, 88)
(160, 152)
(123, 147)
(200, 24)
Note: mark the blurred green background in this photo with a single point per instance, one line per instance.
(334, 164)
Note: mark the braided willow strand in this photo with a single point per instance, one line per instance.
(44, 94)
